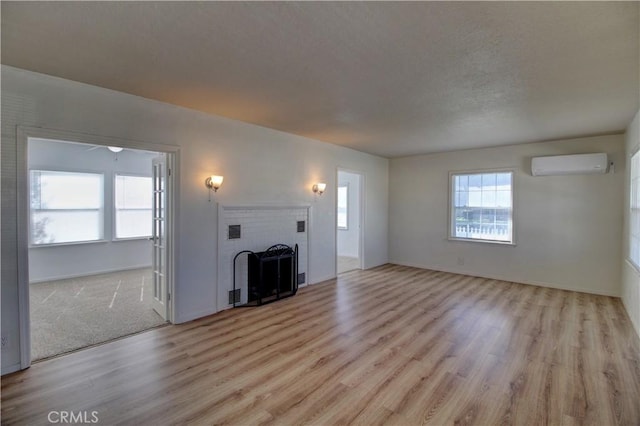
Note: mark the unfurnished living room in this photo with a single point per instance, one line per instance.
(321, 213)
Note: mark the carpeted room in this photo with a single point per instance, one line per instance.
(90, 254)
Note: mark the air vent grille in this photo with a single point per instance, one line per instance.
(234, 232)
(234, 296)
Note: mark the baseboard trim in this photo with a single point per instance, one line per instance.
(323, 279)
(635, 319)
(180, 319)
(503, 278)
(90, 274)
(635, 326)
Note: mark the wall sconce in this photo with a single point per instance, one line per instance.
(319, 188)
(213, 183)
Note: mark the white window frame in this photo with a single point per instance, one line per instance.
(451, 207)
(346, 187)
(114, 227)
(100, 210)
(634, 208)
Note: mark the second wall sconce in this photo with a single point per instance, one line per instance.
(319, 188)
(213, 183)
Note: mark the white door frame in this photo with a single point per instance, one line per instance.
(361, 200)
(24, 133)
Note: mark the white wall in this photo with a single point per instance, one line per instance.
(260, 166)
(349, 239)
(65, 261)
(568, 228)
(630, 275)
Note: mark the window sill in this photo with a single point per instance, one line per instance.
(74, 243)
(117, 240)
(471, 240)
(83, 243)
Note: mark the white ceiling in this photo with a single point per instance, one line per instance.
(391, 79)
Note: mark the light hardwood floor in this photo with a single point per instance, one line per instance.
(391, 345)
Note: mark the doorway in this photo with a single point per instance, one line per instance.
(97, 231)
(349, 221)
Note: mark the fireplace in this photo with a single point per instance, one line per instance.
(256, 228)
(272, 274)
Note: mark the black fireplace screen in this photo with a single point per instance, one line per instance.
(272, 274)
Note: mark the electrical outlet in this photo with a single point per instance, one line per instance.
(460, 261)
(4, 341)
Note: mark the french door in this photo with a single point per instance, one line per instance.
(158, 237)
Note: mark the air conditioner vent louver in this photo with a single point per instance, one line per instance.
(569, 164)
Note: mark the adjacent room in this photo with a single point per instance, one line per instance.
(348, 218)
(398, 213)
(90, 250)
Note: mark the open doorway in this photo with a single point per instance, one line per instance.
(348, 223)
(97, 258)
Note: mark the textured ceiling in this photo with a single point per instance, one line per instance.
(391, 79)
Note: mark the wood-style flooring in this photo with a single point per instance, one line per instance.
(391, 345)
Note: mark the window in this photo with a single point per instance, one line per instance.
(66, 207)
(482, 206)
(634, 216)
(343, 207)
(133, 195)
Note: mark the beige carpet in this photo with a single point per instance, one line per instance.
(70, 314)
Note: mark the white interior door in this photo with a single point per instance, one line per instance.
(158, 237)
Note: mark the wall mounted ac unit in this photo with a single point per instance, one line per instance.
(569, 164)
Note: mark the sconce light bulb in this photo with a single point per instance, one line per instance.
(213, 183)
(319, 188)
